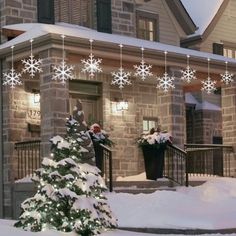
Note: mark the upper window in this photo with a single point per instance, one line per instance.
(147, 26)
(230, 52)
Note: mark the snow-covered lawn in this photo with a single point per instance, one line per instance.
(209, 206)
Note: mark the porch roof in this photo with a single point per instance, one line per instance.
(37, 30)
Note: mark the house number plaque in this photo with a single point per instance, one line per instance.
(34, 114)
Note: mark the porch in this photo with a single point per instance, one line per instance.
(194, 160)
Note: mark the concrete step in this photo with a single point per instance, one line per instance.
(149, 186)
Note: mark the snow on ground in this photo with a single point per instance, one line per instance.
(209, 206)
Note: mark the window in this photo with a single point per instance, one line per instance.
(149, 123)
(147, 26)
(104, 18)
(230, 52)
(46, 11)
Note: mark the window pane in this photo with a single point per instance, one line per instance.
(230, 53)
(151, 36)
(141, 24)
(152, 124)
(150, 26)
(145, 125)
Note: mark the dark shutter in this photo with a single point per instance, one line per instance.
(46, 11)
(218, 48)
(104, 21)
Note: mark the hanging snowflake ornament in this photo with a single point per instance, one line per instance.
(143, 70)
(120, 77)
(208, 85)
(165, 82)
(91, 65)
(12, 78)
(63, 72)
(32, 65)
(188, 74)
(227, 78)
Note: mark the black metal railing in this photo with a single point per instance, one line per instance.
(28, 158)
(107, 165)
(175, 165)
(210, 159)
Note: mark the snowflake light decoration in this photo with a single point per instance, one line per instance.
(208, 85)
(63, 72)
(166, 81)
(32, 65)
(227, 78)
(91, 65)
(188, 74)
(121, 78)
(143, 70)
(12, 78)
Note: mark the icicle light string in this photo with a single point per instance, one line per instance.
(165, 59)
(63, 46)
(12, 59)
(121, 46)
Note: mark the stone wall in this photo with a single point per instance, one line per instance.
(123, 17)
(18, 111)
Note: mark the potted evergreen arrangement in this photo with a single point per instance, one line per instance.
(153, 146)
(98, 137)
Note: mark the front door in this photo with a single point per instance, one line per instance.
(91, 108)
(90, 94)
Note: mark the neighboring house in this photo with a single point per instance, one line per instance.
(216, 34)
(156, 25)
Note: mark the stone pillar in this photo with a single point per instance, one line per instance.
(54, 101)
(229, 117)
(171, 110)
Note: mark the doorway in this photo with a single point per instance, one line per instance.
(90, 94)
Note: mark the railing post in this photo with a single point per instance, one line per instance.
(186, 172)
(110, 173)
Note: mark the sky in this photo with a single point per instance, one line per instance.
(208, 206)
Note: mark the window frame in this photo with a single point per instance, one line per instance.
(151, 17)
(149, 119)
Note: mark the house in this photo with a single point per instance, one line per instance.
(157, 26)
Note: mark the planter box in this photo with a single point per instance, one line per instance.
(153, 161)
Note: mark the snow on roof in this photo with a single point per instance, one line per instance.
(34, 30)
(190, 99)
(202, 12)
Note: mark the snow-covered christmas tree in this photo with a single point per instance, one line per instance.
(70, 194)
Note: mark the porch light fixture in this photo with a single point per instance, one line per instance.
(122, 105)
(36, 96)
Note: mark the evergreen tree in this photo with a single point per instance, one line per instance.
(70, 194)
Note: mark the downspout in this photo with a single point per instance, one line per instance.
(1, 141)
(1, 135)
